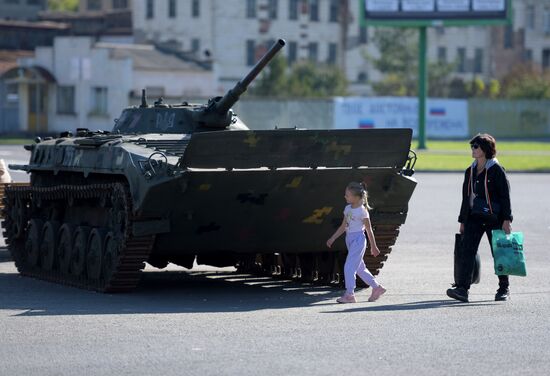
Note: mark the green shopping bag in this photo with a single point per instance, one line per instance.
(508, 253)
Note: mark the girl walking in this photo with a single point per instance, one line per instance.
(356, 221)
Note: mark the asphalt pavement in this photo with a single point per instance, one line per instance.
(216, 322)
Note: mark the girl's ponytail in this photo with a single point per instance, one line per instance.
(360, 189)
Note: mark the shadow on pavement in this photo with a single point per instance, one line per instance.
(412, 306)
(163, 292)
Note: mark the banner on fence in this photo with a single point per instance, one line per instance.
(445, 118)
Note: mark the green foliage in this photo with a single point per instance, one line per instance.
(494, 89)
(273, 80)
(457, 88)
(475, 88)
(63, 5)
(304, 79)
(438, 79)
(526, 82)
(398, 61)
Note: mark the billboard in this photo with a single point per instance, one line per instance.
(428, 12)
(445, 118)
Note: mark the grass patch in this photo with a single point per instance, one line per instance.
(456, 156)
(15, 141)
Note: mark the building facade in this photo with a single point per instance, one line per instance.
(82, 83)
(235, 32)
(24, 10)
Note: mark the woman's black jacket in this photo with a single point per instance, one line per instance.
(498, 187)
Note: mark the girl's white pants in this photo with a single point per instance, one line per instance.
(356, 243)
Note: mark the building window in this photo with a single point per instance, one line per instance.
(272, 7)
(334, 10)
(195, 45)
(172, 8)
(442, 55)
(508, 37)
(313, 51)
(65, 100)
(546, 58)
(98, 105)
(478, 60)
(332, 52)
(461, 60)
(530, 17)
(528, 55)
(250, 8)
(546, 23)
(293, 9)
(314, 10)
(363, 35)
(250, 52)
(292, 52)
(93, 5)
(120, 4)
(196, 9)
(149, 12)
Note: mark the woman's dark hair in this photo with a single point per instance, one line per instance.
(487, 143)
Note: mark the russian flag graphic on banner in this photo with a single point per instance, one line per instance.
(437, 111)
(366, 123)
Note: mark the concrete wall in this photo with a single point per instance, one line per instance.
(512, 119)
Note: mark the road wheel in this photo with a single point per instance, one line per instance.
(110, 255)
(78, 258)
(65, 246)
(48, 246)
(32, 244)
(95, 254)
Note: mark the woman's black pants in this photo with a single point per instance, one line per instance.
(474, 228)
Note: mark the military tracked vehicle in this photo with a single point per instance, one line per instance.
(189, 184)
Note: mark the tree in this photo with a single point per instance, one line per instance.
(63, 5)
(494, 89)
(526, 82)
(457, 88)
(475, 88)
(273, 81)
(438, 79)
(398, 61)
(304, 79)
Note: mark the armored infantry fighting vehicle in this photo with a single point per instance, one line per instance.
(186, 183)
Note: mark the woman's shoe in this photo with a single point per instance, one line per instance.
(347, 298)
(502, 294)
(458, 293)
(377, 292)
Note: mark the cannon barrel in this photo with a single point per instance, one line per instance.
(232, 96)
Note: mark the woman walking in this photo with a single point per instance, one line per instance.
(485, 207)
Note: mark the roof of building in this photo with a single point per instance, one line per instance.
(147, 57)
(8, 58)
(34, 24)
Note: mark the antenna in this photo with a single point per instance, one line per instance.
(143, 99)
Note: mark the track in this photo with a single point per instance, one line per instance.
(97, 252)
(325, 267)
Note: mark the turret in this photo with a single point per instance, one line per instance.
(217, 113)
